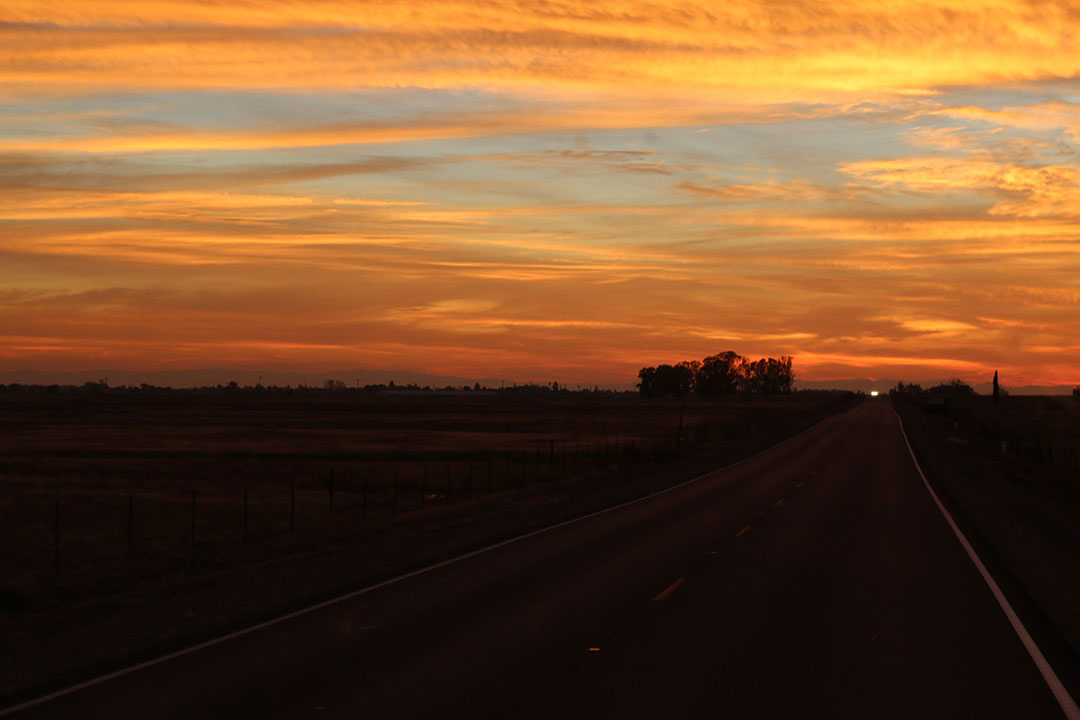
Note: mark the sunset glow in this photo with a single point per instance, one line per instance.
(541, 190)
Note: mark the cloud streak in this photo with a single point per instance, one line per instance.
(541, 189)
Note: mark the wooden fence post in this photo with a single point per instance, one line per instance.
(331, 485)
(193, 519)
(56, 531)
(131, 521)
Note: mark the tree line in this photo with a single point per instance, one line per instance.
(725, 373)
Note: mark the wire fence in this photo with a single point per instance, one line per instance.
(90, 525)
(1013, 434)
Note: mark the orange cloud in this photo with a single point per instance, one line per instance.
(1022, 190)
(600, 186)
(793, 49)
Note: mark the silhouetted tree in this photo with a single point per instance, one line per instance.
(913, 389)
(647, 381)
(953, 388)
(666, 380)
(719, 374)
(722, 374)
(768, 376)
(996, 387)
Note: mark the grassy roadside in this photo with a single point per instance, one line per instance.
(124, 624)
(1027, 511)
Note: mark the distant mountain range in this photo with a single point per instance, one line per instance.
(215, 376)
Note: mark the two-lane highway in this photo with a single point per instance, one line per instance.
(817, 579)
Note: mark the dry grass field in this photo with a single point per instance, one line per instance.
(105, 559)
(1011, 472)
(1040, 428)
(102, 490)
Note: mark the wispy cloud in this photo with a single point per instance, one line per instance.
(541, 189)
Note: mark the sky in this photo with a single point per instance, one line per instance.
(541, 189)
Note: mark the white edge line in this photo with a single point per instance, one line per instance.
(355, 593)
(1068, 705)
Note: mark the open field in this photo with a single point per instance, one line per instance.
(147, 482)
(1011, 472)
(131, 579)
(1038, 428)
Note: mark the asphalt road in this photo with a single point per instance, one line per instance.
(817, 579)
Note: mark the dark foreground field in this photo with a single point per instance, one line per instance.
(134, 522)
(1011, 472)
(819, 578)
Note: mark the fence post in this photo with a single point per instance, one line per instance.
(56, 531)
(193, 519)
(245, 514)
(131, 521)
(292, 508)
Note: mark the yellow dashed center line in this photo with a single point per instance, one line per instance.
(671, 588)
(742, 531)
(778, 503)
